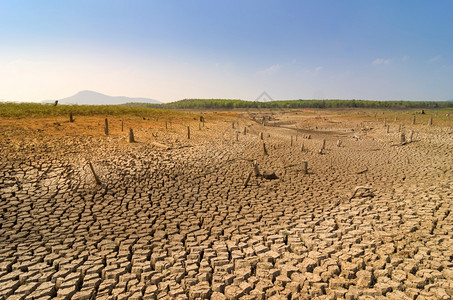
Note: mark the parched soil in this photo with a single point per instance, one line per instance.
(188, 218)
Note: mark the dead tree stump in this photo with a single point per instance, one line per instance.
(131, 136)
(323, 147)
(256, 170)
(411, 134)
(305, 167)
(106, 127)
(403, 138)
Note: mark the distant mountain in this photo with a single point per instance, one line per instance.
(95, 98)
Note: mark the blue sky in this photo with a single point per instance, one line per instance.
(170, 50)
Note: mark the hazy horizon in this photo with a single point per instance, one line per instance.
(173, 50)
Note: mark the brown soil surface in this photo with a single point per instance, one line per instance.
(173, 217)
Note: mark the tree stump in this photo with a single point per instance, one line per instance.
(131, 136)
(106, 127)
(256, 169)
(403, 138)
(264, 149)
(305, 167)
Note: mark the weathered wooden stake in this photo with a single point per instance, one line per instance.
(188, 132)
(403, 138)
(255, 169)
(305, 167)
(71, 119)
(264, 149)
(131, 136)
(106, 127)
(96, 178)
(248, 179)
(430, 122)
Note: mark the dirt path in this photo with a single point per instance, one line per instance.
(178, 222)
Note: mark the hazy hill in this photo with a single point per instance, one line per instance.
(95, 98)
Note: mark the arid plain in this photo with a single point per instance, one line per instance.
(259, 204)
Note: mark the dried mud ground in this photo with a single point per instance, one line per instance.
(174, 219)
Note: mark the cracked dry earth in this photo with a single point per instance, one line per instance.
(179, 223)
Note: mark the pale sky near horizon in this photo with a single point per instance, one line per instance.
(171, 50)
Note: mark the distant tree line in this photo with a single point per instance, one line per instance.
(231, 104)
